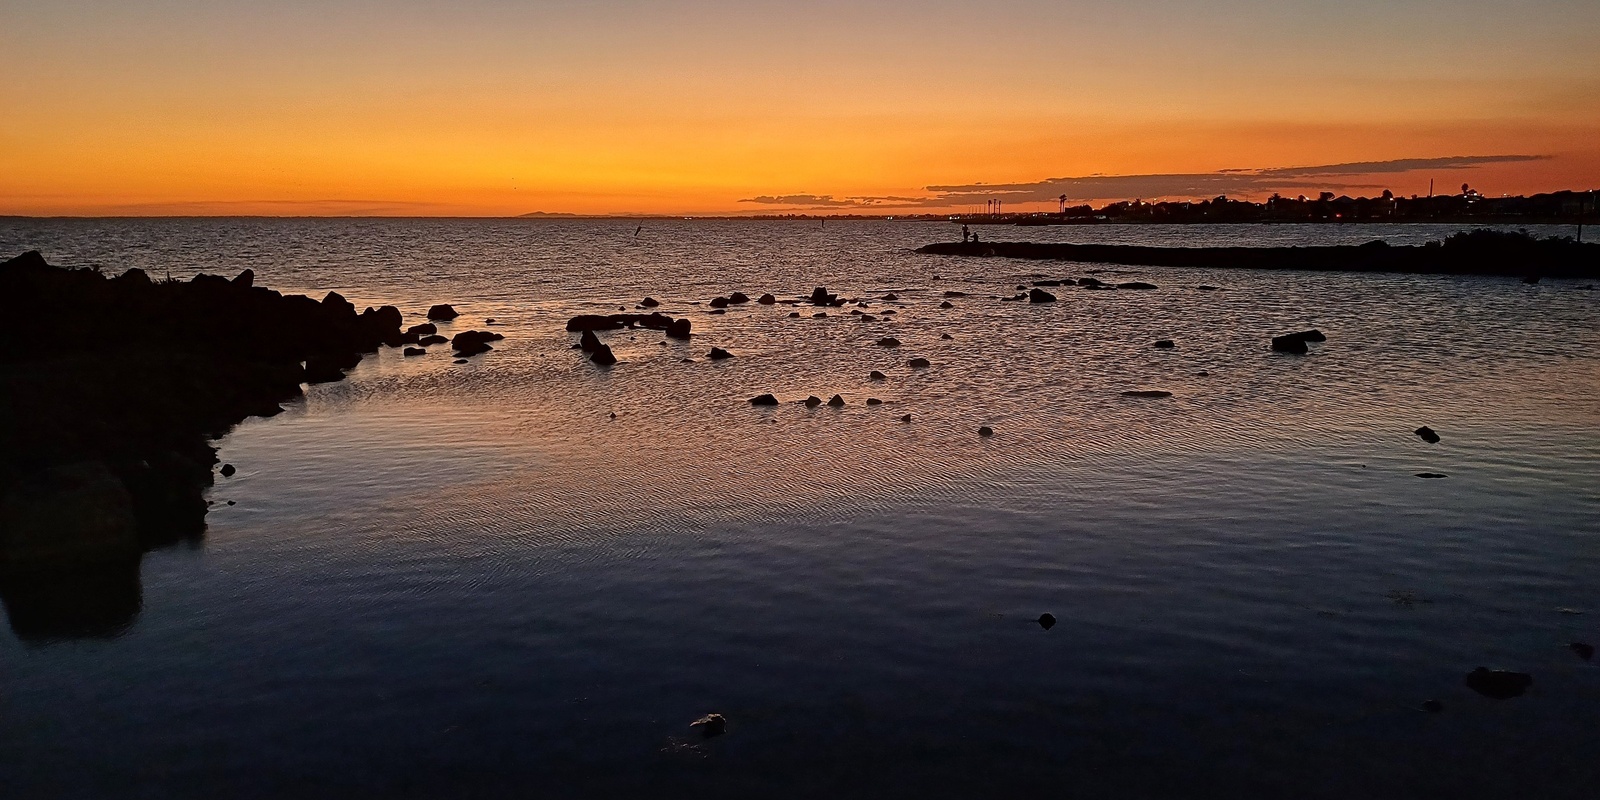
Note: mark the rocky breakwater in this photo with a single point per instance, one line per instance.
(1479, 252)
(108, 409)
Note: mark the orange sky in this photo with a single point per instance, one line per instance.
(491, 108)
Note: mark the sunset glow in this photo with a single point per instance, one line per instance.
(504, 108)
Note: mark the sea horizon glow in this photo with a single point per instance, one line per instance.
(487, 108)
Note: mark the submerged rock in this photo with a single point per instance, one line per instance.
(873, 401)
(442, 312)
(812, 402)
(1291, 344)
(1427, 434)
(920, 363)
(414, 351)
(766, 300)
(877, 376)
(471, 343)
(946, 336)
(432, 338)
(1432, 475)
(985, 431)
(719, 302)
(947, 304)
(906, 418)
(1146, 393)
(1136, 285)
(1584, 651)
(227, 470)
(649, 302)
(717, 354)
(1498, 683)
(764, 400)
(888, 341)
(738, 297)
(1047, 620)
(423, 329)
(1040, 296)
(837, 401)
(1165, 344)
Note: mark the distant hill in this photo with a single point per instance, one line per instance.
(535, 214)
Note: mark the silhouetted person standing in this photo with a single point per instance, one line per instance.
(964, 234)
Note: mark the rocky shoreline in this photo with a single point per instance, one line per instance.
(109, 406)
(1479, 252)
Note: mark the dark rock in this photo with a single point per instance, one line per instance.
(717, 354)
(1205, 288)
(442, 312)
(764, 400)
(1165, 344)
(459, 361)
(866, 318)
(432, 339)
(489, 321)
(471, 343)
(245, 279)
(1312, 335)
(588, 342)
(324, 369)
(424, 329)
(836, 402)
(873, 401)
(227, 470)
(947, 304)
(890, 297)
(820, 315)
(887, 312)
(1146, 393)
(888, 341)
(955, 294)
(906, 418)
(1289, 344)
(1584, 651)
(1432, 475)
(711, 725)
(1090, 282)
(649, 302)
(794, 314)
(336, 303)
(985, 431)
(920, 363)
(1432, 706)
(812, 402)
(1427, 434)
(738, 297)
(602, 356)
(1498, 683)
(1047, 620)
(946, 336)
(1136, 285)
(719, 302)
(678, 329)
(1047, 283)
(766, 300)
(1040, 296)
(820, 297)
(877, 376)
(414, 351)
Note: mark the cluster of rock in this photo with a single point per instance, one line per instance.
(105, 417)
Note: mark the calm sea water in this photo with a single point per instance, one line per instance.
(474, 581)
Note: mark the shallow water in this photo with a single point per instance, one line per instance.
(444, 580)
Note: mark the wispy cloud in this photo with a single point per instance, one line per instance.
(1157, 185)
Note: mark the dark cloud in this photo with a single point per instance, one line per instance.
(1237, 182)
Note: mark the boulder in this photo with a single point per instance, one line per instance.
(442, 312)
(649, 302)
(711, 725)
(820, 297)
(946, 336)
(414, 351)
(423, 329)
(1289, 344)
(890, 296)
(678, 328)
(985, 430)
(1090, 282)
(227, 471)
(873, 401)
(738, 297)
(1427, 434)
(836, 401)
(820, 315)
(471, 343)
(1040, 296)
(588, 342)
(719, 302)
(794, 314)
(1432, 475)
(602, 356)
(1136, 285)
(766, 300)
(764, 400)
(905, 418)
(947, 304)
(1165, 344)
(888, 341)
(336, 303)
(1498, 683)
(877, 376)
(953, 293)
(1204, 288)
(920, 363)
(812, 402)
(1047, 620)
(432, 339)
(718, 354)
(245, 279)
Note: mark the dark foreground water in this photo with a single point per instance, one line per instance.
(472, 581)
